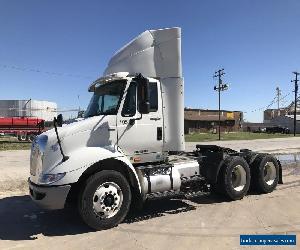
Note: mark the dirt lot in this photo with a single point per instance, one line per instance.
(200, 222)
(14, 171)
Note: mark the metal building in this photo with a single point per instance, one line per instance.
(28, 108)
(283, 117)
(204, 121)
(271, 114)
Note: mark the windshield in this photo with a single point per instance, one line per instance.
(106, 99)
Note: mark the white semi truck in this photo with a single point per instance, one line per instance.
(130, 145)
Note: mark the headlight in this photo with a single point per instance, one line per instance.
(50, 178)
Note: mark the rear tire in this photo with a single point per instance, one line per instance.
(105, 200)
(30, 137)
(22, 137)
(265, 173)
(234, 178)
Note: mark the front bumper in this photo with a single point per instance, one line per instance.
(49, 197)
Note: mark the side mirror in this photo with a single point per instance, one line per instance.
(143, 94)
(59, 120)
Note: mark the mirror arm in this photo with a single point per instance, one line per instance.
(132, 120)
(58, 141)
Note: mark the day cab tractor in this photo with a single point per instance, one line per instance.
(130, 147)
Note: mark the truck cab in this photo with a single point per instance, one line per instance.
(129, 147)
(130, 115)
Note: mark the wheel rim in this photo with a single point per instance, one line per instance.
(31, 138)
(107, 200)
(22, 137)
(269, 173)
(238, 178)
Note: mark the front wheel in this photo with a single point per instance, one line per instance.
(105, 200)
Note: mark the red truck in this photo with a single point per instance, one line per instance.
(25, 128)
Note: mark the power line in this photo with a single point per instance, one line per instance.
(268, 106)
(25, 69)
(262, 108)
(282, 98)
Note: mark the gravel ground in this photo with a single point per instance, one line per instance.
(274, 146)
(14, 171)
(200, 222)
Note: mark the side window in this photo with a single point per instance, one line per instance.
(153, 96)
(110, 102)
(129, 107)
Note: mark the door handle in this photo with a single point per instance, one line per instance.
(159, 133)
(155, 118)
(111, 129)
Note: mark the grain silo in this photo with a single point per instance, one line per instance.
(28, 108)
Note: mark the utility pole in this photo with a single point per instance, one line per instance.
(219, 88)
(78, 103)
(278, 93)
(80, 112)
(295, 102)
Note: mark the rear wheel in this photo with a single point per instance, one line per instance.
(105, 200)
(30, 137)
(234, 178)
(265, 173)
(22, 137)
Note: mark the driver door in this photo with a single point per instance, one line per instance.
(141, 136)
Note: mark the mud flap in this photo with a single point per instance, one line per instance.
(280, 181)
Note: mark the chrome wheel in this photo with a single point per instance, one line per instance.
(269, 173)
(238, 178)
(107, 200)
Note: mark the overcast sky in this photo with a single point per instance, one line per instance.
(52, 50)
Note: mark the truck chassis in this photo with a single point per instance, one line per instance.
(222, 171)
(208, 175)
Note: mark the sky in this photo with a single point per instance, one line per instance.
(52, 50)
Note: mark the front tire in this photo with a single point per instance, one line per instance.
(105, 200)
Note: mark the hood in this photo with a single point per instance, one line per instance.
(89, 132)
(86, 124)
